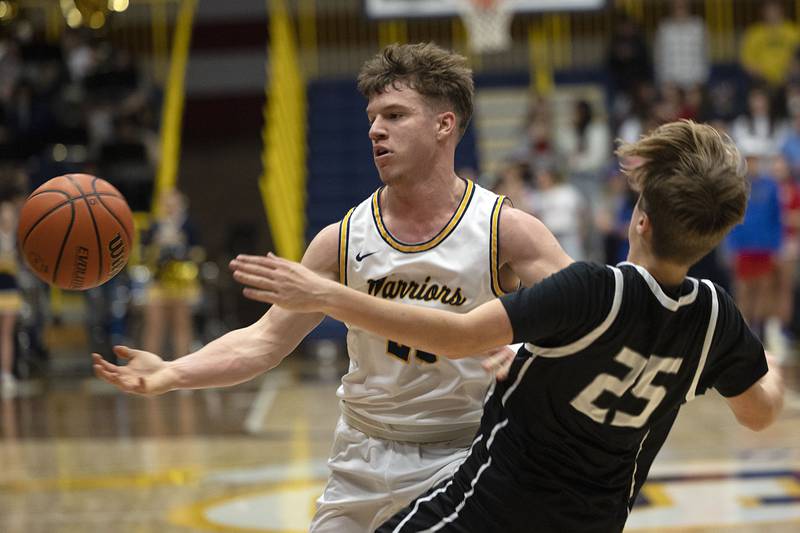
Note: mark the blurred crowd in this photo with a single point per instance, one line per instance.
(570, 179)
(84, 105)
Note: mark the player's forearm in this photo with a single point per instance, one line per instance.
(233, 358)
(765, 401)
(435, 331)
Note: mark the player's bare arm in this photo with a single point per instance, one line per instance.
(528, 250)
(759, 406)
(237, 356)
(291, 285)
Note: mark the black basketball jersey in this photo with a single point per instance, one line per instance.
(567, 440)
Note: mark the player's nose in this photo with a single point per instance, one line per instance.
(377, 130)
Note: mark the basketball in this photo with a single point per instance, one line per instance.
(75, 231)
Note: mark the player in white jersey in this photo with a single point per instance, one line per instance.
(426, 237)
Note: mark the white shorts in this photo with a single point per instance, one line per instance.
(371, 479)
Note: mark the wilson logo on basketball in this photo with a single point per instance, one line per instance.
(117, 250)
(79, 269)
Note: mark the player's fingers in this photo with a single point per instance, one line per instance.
(492, 363)
(255, 270)
(108, 367)
(253, 281)
(261, 295)
(123, 351)
(106, 376)
(502, 372)
(264, 261)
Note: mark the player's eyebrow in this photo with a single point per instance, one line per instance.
(387, 108)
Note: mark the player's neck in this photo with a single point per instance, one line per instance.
(416, 212)
(666, 273)
(429, 196)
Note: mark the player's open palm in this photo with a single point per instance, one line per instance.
(146, 373)
(275, 280)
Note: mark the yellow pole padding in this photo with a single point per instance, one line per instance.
(308, 36)
(172, 112)
(539, 52)
(283, 182)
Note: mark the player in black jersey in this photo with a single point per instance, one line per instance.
(610, 353)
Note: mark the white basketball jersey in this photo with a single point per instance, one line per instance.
(398, 392)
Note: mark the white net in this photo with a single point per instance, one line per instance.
(488, 24)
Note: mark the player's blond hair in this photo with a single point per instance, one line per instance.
(692, 184)
(439, 75)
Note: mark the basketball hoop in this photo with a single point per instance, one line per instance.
(488, 24)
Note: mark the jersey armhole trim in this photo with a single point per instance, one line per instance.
(344, 241)
(712, 326)
(494, 246)
(589, 338)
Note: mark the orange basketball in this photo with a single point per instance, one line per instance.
(75, 231)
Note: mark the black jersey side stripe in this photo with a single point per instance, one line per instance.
(483, 467)
(712, 326)
(589, 338)
(517, 381)
(435, 493)
(454, 515)
(633, 476)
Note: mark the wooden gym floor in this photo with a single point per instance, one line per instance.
(77, 457)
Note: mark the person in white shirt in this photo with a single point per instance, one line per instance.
(562, 208)
(681, 48)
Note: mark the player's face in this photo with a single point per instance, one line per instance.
(403, 133)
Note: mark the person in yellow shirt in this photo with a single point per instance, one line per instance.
(768, 46)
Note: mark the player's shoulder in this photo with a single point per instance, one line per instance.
(587, 276)
(518, 227)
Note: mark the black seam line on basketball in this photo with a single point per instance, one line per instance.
(96, 231)
(64, 242)
(71, 199)
(110, 212)
(52, 210)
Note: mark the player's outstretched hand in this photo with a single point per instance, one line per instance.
(272, 279)
(499, 361)
(146, 373)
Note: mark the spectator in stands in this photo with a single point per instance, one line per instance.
(10, 67)
(789, 193)
(759, 131)
(628, 61)
(755, 244)
(173, 253)
(562, 208)
(790, 147)
(585, 145)
(514, 182)
(538, 142)
(10, 301)
(681, 48)
(78, 54)
(768, 46)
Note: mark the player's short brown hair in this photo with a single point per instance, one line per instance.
(692, 184)
(439, 75)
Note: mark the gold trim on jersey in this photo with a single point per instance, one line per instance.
(344, 234)
(494, 252)
(438, 238)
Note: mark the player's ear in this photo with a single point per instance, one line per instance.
(643, 224)
(446, 124)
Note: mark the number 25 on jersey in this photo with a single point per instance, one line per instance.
(638, 381)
